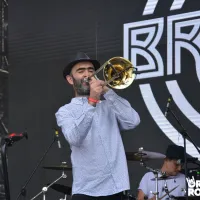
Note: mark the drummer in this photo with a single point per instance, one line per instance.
(171, 167)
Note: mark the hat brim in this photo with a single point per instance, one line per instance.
(68, 68)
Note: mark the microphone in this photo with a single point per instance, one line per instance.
(57, 138)
(168, 104)
(14, 137)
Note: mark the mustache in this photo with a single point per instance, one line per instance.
(84, 81)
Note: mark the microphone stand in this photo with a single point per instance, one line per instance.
(185, 135)
(23, 190)
(5, 168)
(4, 146)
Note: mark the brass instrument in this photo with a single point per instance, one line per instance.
(118, 73)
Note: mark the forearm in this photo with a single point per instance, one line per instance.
(126, 115)
(76, 129)
(142, 196)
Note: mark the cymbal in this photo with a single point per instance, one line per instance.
(62, 188)
(144, 156)
(59, 167)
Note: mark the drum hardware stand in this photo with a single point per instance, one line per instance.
(155, 172)
(166, 189)
(65, 198)
(45, 189)
(23, 189)
(167, 193)
(185, 136)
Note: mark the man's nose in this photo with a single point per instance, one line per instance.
(87, 73)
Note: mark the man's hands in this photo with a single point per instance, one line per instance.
(142, 196)
(97, 88)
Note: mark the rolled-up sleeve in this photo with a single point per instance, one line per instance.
(75, 129)
(127, 117)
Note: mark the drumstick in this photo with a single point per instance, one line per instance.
(168, 192)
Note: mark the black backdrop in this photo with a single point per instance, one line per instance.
(42, 37)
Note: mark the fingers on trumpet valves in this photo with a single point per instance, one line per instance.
(102, 83)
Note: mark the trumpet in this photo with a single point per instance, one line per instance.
(118, 73)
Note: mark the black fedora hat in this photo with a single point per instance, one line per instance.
(175, 152)
(80, 57)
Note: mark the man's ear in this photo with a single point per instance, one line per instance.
(70, 79)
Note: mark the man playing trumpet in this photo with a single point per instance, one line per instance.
(92, 128)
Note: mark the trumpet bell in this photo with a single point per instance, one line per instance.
(122, 68)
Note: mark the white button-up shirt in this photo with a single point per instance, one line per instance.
(98, 156)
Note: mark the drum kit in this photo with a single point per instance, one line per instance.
(140, 155)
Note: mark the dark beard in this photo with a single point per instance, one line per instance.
(81, 90)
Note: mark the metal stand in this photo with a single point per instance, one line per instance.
(185, 135)
(65, 198)
(155, 172)
(45, 189)
(5, 168)
(23, 190)
(166, 189)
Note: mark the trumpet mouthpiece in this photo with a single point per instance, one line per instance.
(86, 79)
